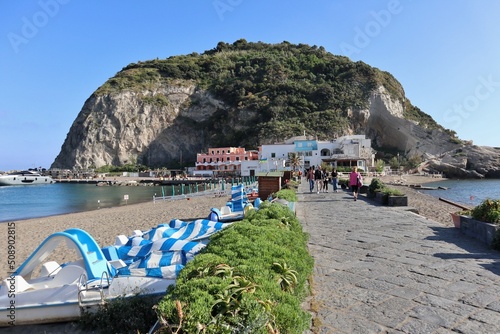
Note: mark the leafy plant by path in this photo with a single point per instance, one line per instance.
(487, 211)
(286, 194)
(251, 278)
(376, 185)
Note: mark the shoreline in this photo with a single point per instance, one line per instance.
(160, 199)
(138, 194)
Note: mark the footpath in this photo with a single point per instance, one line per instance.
(382, 269)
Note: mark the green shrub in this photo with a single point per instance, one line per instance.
(292, 185)
(122, 315)
(286, 194)
(251, 278)
(392, 192)
(465, 212)
(375, 185)
(487, 211)
(343, 183)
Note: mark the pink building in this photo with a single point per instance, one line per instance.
(223, 160)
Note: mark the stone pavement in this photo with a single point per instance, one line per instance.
(388, 270)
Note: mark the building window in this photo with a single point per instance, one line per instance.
(273, 155)
(325, 152)
(237, 158)
(228, 159)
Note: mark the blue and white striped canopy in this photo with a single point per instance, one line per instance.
(195, 230)
(156, 264)
(238, 197)
(164, 250)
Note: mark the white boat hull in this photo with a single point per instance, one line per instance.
(16, 180)
(40, 306)
(61, 303)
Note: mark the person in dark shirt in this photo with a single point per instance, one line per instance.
(310, 178)
(326, 180)
(318, 178)
(335, 180)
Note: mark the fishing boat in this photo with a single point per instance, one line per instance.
(235, 209)
(25, 177)
(144, 264)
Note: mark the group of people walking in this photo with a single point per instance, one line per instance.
(320, 178)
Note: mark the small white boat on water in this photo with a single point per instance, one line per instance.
(25, 177)
(42, 291)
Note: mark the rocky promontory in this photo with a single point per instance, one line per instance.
(160, 113)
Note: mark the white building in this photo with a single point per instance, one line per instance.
(346, 151)
(250, 167)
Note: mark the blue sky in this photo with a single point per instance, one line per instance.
(55, 53)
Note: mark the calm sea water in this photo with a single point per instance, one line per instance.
(467, 192)
(23, 202)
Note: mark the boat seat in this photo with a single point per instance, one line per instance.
(117, 264)
(20, 282)
(121, 240)
(67, 275)
(137, 233)
(225, 210)
(49, 268)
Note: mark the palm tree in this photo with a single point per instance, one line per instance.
(295, 161)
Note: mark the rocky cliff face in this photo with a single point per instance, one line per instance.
(384, 123)
(150, 127)
(467, 162)
(166, 123)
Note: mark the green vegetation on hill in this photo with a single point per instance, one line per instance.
(284, 88)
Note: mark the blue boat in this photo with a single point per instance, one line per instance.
(235, 209)
(146, 263)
